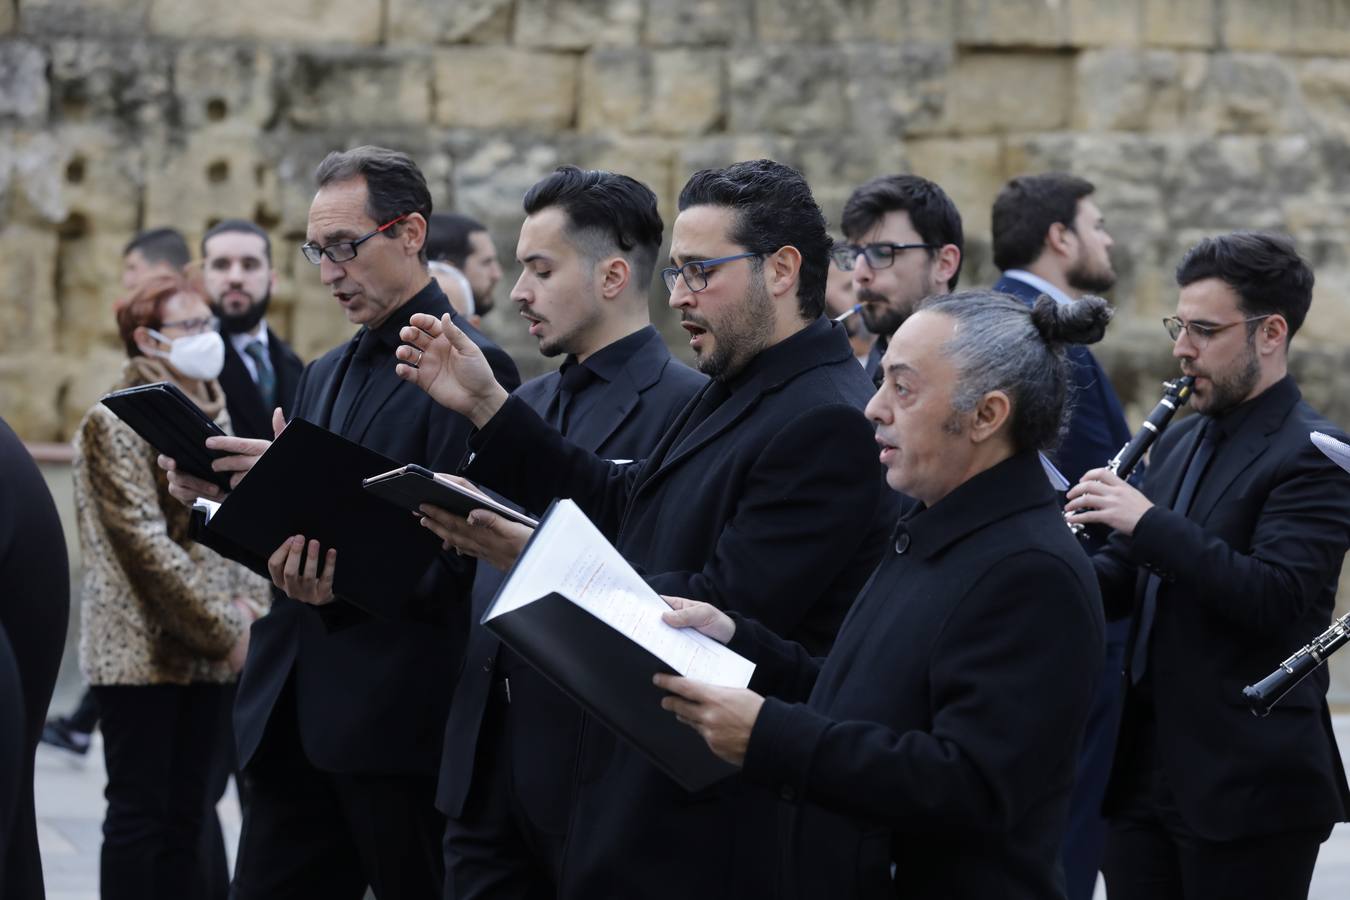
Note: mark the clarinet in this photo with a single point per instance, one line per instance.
(1175, 395)
(1263, 695)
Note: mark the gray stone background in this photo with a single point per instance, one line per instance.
(1192, 117)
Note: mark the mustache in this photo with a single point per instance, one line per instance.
(695, 319)
(867, 295)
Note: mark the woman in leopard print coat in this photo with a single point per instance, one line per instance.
(163, 619)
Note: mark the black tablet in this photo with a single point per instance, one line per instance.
(172, 424)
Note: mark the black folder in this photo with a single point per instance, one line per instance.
(172, 424)
(608, 675)
(412, 485)
(309, 482)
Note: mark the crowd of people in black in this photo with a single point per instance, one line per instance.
(955, 693)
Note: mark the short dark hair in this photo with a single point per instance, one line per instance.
(448, 237)
(160, 245)
(931, 212)
(240, 225)
(1264, 270)
(394, 183)
(606, 213)
(1026, 208)
(774, 208)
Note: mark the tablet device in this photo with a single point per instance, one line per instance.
(172, 424)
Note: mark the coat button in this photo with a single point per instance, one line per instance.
(902, 542)
(487, 666)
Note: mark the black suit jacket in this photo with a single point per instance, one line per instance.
(774, 505)
(1249, 576)
(371, 696)
(248, 416)
(629, 416)
(940, 733)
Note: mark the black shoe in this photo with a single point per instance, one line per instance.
(59, 732)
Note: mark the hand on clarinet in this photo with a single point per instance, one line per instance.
(1102, 497)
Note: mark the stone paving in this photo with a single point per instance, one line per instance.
(70, 811)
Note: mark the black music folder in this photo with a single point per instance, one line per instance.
(412, 485)
(573, 608)
(309, 482)
(170, 422)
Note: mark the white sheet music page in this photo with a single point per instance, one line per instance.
(568, 555)
(1338, 451)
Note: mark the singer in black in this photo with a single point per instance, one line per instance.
(1228, 558)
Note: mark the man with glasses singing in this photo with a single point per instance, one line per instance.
(1229, 558)
(904, 243)
(339, 716)
(764, 496)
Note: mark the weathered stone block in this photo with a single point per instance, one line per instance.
(992, 92)
(357, 87)
(34, 179)
(301, 21)
(125, 82)
(225, 86)
(1124, 90)
(433, 21)
(1325, 86)
(91, 17)
(970, 170)
(1246, 93)
(577, 24)
(1039, 23)
(1170, 24)
(873, 21)
(81, 382)
(211, 177)
(23, 81)
(30, 402)
(634, 90)
(97, 176)
(88, 284)
(30, 285)
(7, 18)
(1308, 26)
(698, 23)
(501, 88)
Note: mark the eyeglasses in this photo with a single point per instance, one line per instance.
(695, 273)
(342, 251)
(1200, 334)
(193, 326)
(879, 255)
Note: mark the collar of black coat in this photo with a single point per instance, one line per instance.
(609, 361)
(1009, 487)
(1267, 409)
(430, 300)
(816, 344)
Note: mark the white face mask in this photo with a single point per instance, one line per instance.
(198, 356)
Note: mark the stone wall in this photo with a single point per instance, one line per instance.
(1192, 116)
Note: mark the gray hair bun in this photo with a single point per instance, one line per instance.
(1081, 322)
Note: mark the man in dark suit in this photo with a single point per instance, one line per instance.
(339, 716)
(260, 371)
(588, 250)
(904, 244)
(937, 738)
(764, 495)
(1229, 558)
(1050, 238)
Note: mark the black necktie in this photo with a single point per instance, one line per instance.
(267, 378)
(1204, 451)
(714, 395)
(574, 378)
(353, 381)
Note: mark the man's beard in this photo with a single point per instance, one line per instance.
(882, 320)
(1087, 279)
(1228, 390)
(743, 335)
(246, 321)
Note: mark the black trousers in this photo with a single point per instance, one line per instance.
(160, 744)
(309, 833)
(508, 844)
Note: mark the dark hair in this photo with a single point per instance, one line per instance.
(1026, 208)
(241, 225)
(394, 184)
(160, 245)
(448, 237)
(1264, 270)
(606, 212)
(774, 208)
(145, 305)
(931, 212)
(1001, 344)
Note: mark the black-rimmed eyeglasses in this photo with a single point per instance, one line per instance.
(695, 272)
(880, 255)
(1201, 333)
(342, 251)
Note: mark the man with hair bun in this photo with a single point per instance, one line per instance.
(1228, 559)
(930, 754)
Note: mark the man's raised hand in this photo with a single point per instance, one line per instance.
(442, 360)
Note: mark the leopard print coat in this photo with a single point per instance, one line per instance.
(157, 606)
